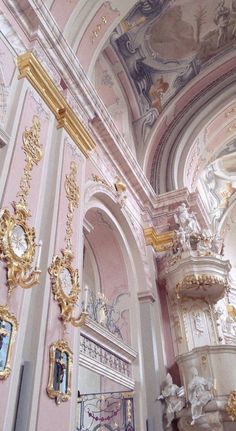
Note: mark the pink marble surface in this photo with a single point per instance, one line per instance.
(89, 42)
(59, 417)
(29, 108)
(61, 11)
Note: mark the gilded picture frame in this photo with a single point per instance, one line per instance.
(8, 330)
(60, 371)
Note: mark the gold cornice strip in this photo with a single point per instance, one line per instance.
(160, 242)
(30, 68)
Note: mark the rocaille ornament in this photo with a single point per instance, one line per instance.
(64, 278)
(17, 238)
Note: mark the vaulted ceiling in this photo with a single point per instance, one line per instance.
(155, 64)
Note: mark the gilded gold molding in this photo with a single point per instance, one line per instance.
(160, 242)
(30, 68)
(60, 370)
(8, 328)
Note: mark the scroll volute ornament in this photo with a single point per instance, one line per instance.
(65, 285)
(17, 238)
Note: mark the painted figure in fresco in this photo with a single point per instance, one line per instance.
(156, 93)
(222, 19)
(199, 393)
(174, 397)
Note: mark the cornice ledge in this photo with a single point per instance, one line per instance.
(146, 296)
(110, 138)
(109, 341)
(30, 68)
(160, 242)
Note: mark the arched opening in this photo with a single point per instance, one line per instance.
(111, 266)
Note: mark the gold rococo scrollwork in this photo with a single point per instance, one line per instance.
(60, 371)
(18, 251)
(192, 282)
(73, 195)
(64, 278)
(65, 301)
(17, 238)
(231, 406)
(7, 337)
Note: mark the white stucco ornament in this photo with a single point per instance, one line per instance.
(199, 393)
(174, 397)
(185, 219)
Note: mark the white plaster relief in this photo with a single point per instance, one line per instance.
(41, 108)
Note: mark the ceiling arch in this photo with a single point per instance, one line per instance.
(172, 145)
(164, 52)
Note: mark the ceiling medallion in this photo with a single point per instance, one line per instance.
(17, 238)
(64, 278)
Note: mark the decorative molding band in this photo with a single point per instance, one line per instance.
(101, 360)
(30, 68)
(107, 340)
(161, 242)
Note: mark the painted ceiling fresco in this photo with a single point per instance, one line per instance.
(164, 44)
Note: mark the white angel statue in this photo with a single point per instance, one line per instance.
(174, 397)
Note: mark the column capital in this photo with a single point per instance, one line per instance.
(146, 296)
(160, 242)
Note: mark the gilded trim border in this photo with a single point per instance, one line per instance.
(30, 68)
(161, 242)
